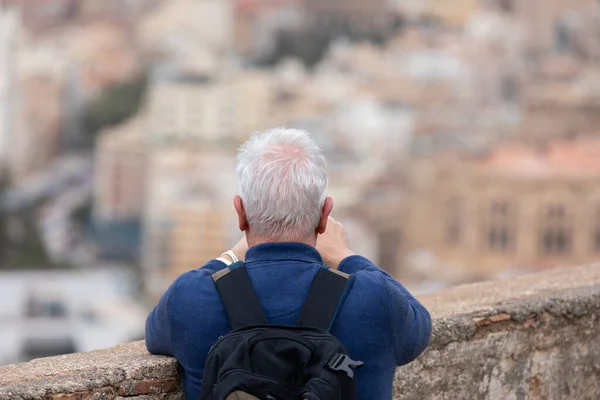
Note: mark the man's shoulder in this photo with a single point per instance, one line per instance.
(198, 281)
(366, 293)
(369, 283)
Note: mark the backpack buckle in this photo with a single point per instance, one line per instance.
(342, 362)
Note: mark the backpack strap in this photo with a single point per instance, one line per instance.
(325, 297)
(238, 296)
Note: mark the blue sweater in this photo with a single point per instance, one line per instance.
(380, 322)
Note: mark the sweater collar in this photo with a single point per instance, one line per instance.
(284, 251)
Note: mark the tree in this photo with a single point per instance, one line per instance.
(30, 252)
(114, 105)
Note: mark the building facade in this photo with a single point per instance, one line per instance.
(10, 31)
(121, 163)
(38, 111)
(186, 181)
(200, 230)
(358, 17)
(517, 207)
(198, 108)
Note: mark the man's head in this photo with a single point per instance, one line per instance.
(282, 175)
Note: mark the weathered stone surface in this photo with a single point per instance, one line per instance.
(162, 396)
(99, 394)
(82, 372)
(482, 297)
(534, 337)
(129, 387)
(551, 356)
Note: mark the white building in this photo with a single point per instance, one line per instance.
(204, 108)
(38, 112)
(372, 129)
(180, 27)
(10, 31)
(46, 313)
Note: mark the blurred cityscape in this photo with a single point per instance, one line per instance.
(463, 141)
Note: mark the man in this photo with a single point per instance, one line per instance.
(285, 216)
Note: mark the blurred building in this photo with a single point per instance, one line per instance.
(453, 14)
(179, 27)
(42, 15)
(10, 36)
(102, 54)
(200, 230)
(115, 10)
(515, 207)
(201, 108)
(356, 17)
(38, 115)
(177, 157)
(46, 313)
(547, 22)
(121, 164)
(184, 180)
(257, 22)
(563, 100)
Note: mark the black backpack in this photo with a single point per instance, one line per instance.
(272, 362)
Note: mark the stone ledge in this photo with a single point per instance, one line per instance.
(463, 312)
(127, 369)
(549, 313)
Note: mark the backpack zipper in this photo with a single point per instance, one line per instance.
(259, 328)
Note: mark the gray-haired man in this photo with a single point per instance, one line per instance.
(289, 234)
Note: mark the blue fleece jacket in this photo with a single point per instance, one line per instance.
(380, 322)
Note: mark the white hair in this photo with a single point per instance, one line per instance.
(282, 175)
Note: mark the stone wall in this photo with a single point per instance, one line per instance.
(534, 337)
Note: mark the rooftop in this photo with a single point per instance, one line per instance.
(579, 157)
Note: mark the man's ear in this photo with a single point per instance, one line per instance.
(325, 211)
(241, 212)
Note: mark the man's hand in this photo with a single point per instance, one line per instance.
(333, 244)
(240, 249)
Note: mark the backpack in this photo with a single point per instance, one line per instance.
(273, 362)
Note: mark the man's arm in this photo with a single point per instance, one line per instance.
(160, 320)
(158, 324)
(411, 322)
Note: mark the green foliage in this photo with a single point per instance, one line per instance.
(82, 215)
(24, 250)
(113, 106)
(28, 253)
(311, 46)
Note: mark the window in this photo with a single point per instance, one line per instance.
(453, 222)
(500, 226)
(37, 308)
(555, 233)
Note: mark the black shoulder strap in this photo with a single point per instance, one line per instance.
(326, 294)
(239, 297)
